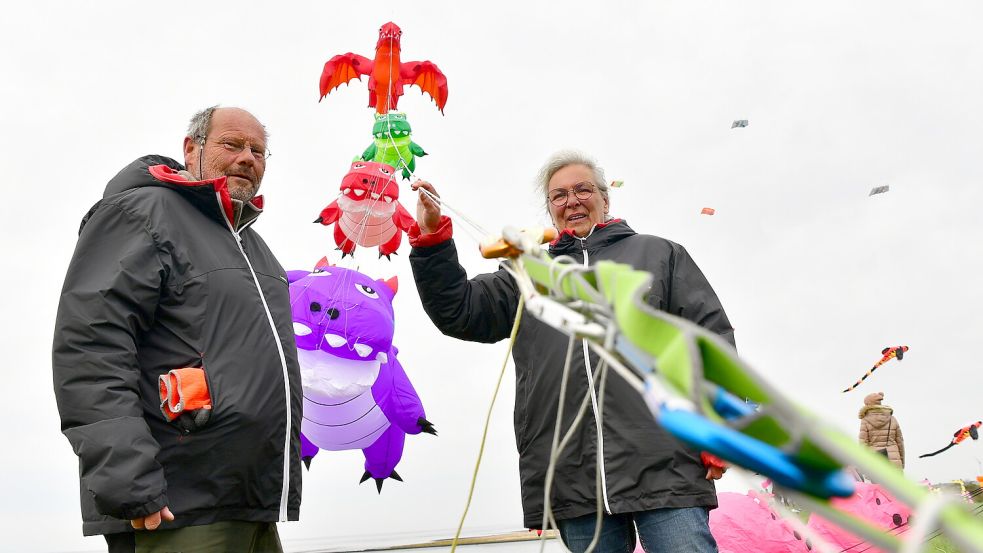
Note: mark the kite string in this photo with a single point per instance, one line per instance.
(484, 434)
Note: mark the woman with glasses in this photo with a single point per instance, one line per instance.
(651, 486)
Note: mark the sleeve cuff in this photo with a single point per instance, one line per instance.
(444, 232)
(710, 460)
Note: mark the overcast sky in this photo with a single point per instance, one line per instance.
(816, 276)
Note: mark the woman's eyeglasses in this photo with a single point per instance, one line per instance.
(583, 191)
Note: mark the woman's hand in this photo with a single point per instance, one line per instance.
(427, 210)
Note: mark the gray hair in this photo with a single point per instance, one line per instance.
(562, 159)
(202, 121)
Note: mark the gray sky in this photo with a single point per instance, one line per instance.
(816, 276)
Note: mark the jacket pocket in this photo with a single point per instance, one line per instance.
(186, 398)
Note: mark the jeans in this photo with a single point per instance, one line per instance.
(685, 530)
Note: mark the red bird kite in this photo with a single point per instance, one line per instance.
(387, 74)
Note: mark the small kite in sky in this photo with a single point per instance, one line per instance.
(617, 183)
(740, 123)
(707, 211)
(879, 190)
(888, 354)
(971, 431)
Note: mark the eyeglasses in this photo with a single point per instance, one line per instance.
(236, 147)
(582, 190)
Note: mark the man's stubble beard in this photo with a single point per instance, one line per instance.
(243, 193)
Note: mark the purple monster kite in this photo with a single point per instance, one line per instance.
(356, 395)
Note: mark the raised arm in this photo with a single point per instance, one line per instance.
(481, 309)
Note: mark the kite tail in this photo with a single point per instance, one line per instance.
(937, 452)
(864, 377)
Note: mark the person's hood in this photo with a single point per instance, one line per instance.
(877, 415)
(211, 196)
(602, 234)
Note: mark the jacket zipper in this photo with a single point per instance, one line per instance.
(593, 400)
(285, 490)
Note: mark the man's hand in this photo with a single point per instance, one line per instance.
(715, 466)
(715, 473)
(151, 522)
(427, 210)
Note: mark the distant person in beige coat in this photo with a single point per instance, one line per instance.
(880, 431)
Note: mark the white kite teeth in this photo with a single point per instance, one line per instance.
(363, 350)
(334, 340)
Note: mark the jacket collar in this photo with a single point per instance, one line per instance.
(601, 235)
(211, 196)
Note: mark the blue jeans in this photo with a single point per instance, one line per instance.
(660, 531)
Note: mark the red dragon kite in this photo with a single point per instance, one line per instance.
(387, 74)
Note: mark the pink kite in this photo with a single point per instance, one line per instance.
(871, 503)
(745, 524)
(368, 212)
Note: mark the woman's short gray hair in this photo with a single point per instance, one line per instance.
(562, 159)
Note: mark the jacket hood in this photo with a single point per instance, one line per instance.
(874, 409)
(603, 234)
(162, 171)
(136, 174)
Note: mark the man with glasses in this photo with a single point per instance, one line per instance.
(174, 361)
(652, 487)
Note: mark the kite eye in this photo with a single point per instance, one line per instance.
(315, 307)
(367, 291)
(384, 171)
(358, 166)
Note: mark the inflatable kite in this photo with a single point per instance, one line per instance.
(739, 124)
(387, 74)
(971, 431)
(871, 503)
(707, 211)
(356, 395)
(888, 354)
(368, 212)
(745, 524)
(392, 144)
(879, 190)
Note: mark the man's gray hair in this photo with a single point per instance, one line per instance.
(562, 159)
(198, 127)
(202, 121)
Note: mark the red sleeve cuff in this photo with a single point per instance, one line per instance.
(710, 460)
(444, 232)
